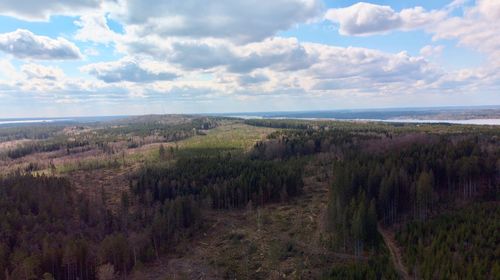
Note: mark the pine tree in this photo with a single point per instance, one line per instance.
(162, 152)
(371, 222)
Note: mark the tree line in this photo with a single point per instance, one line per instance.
(221, 181)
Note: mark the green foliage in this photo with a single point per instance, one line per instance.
(46, 229)
(32, 132)
(37, 232)
(36, 147)
(233, 137)
(164, 128)
(382, 173)
(460, 244)
(103, 135)
(226, 181)
(378, 267)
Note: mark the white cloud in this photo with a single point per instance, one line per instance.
(36, 10)
(130, 70)
(7, 70)
(208, 50)
(26, 45)
(37, 71)
(94, 28)
(430, 50)
(286, 66)
(489, 8)
(476, 29)
(368, 70)
(43, 81)
(367, 19)
(279, 54)
(240, 21)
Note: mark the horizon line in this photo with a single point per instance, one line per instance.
(449, 107)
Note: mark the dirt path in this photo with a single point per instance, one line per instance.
(395, 252)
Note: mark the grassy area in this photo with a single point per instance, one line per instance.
(233, 137)
(90, 164)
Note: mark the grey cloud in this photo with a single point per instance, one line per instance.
(241, 21)
(35, 71)
(280, 56)
(291, 58)
(43, 9)
(253, 79)
(337, 84)
(127, 70)
(24, 44)
(200, 56)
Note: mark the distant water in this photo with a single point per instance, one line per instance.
(470, 122)
(473, 121)
(72, 120)
(483, 115)
(33, 121)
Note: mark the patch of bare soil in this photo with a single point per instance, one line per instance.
(12, 144)
(111, 182)
(395, 252)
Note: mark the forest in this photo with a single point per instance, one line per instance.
(407, 186)
(435, 187)
(454, 245)
(50, 231)
(224, 181)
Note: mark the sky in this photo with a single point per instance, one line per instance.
(129, 57)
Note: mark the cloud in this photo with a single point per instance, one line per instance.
(129, 70)
(280, 54)
(489, 8)
(252, 79)
(283, 54)
(26, 45)
(367, 70)
(94, 28)
(240, 21)
(37, 10)
(37, 71)
(229, 50)
(200, 55)
(429, 50)
(44, 81)
(476, 29)
(368, 19)
(7, 70)
(286, 65)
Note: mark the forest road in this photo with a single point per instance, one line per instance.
(395, 252)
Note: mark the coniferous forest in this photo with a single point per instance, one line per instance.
(430, 191)
(249, 139)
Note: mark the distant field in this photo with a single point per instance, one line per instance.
(230, 137)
